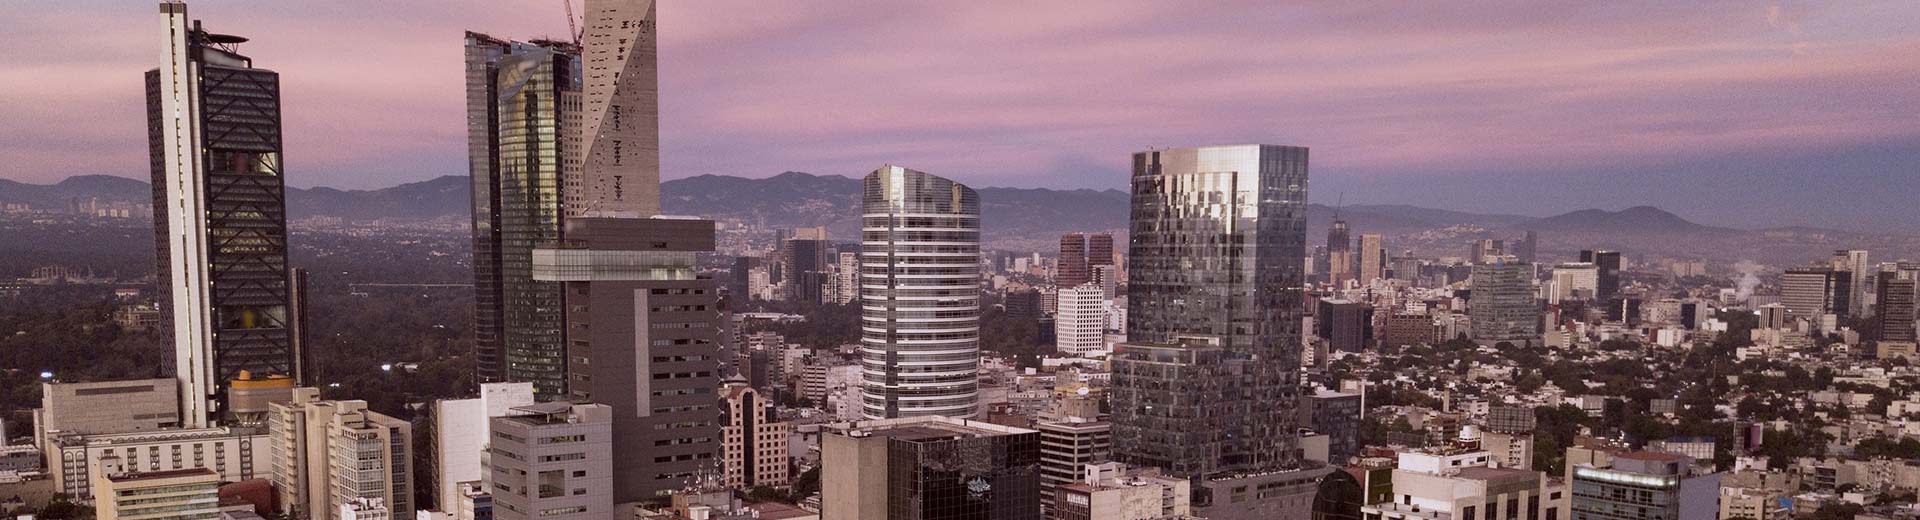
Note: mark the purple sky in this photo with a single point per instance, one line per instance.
(1726, 112)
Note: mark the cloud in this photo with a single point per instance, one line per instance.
(998, 92)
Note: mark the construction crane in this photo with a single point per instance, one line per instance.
(573, 28)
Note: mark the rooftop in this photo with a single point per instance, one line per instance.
(1657, 456)
(155, 475)
(926, 428)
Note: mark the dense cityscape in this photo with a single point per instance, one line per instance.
(586, 340)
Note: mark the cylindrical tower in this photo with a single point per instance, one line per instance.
(919, 295)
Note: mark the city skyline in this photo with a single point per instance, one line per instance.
(1534, 114)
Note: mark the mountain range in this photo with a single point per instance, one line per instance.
(1031, 219)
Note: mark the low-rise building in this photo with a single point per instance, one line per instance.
(1113, 491)
(182, 494)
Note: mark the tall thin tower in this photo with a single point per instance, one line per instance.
(522, 114)
(919, 295)
(219, 212)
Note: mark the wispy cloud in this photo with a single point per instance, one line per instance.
(1024, 93)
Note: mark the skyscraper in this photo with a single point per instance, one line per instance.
(1079, 253)
(1080, 323)
(1897, 290)
(1528, 249)
(1502, 307)
(1339, 253)
(643, 333)
(804, 260)
(619, 112)
(920, 296)
(1809, 292)
(553, 135)
(522, 102)
(1209, 379)
(219, 212)
(1373, 258)
(1607, 263)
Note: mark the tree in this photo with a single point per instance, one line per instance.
(807, 484)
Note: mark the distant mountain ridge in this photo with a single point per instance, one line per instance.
(1637, 219)
(1025, 219)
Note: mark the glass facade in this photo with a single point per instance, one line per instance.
(220, 213)
(522, 99)
(1502, 305)
(920, 296)
(993, 477)
(1214, 299)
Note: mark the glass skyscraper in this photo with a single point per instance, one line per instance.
(1208, 381)
(919, 295)
(554, 130)
(521, 98)
(219, 211)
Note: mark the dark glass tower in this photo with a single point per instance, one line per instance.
(1209, 379)
(219, 211)
(521, 98)
(1608, 263)
(1079, 254)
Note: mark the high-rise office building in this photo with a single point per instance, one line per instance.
(1080, 322)
(804, 260)
(1574, 281)
(847, 274)
(1607, 273)
(1339, 253)
(1373, 258)
(755, 440)
(522, 116)
(552, 461)
(1067, 445)
(619, 111)
(1209, 379)
(929, 468)
(1346, 326)
(920, 296)
(643, 333)
(1896, 291)
(1079, 254)
(1809, 292)
(552, 135)
(1528, 249)
(1502, 307)
(1487, 248)
(1854, 262)
(219, 212)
